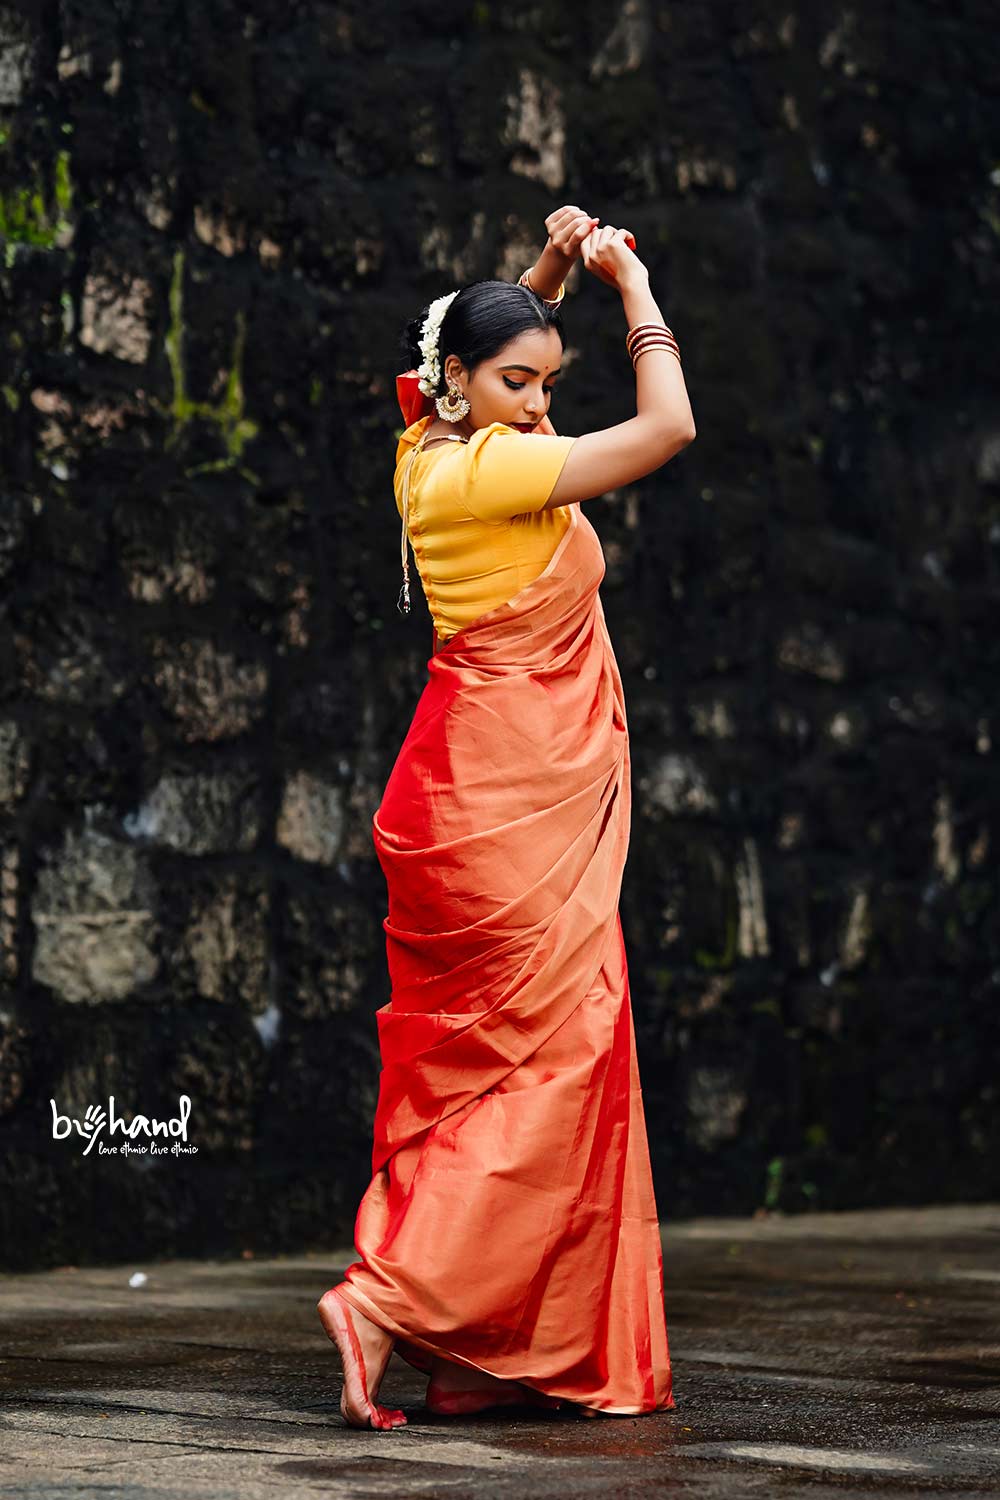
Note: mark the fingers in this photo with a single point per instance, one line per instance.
(568, 234)
(576, 230)
(569, 225)
(593, 237)
(560, 216)
(562, 224)
(563, 215)
(578, 235)
(596, 239)
(599, 254)
(593, 242)
(582, 230)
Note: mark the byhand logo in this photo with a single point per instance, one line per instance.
(95, 1119)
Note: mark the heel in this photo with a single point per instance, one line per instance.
(335, 1316)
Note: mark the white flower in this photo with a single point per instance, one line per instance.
(430, 370)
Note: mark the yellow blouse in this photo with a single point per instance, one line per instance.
(476, 522)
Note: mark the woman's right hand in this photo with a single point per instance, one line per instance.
(606, 254)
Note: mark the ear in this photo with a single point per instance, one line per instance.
(450, 368)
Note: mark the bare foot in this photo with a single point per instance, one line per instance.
(457, 1390)
(364, 1353)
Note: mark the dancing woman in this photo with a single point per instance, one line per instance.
(509, 1243)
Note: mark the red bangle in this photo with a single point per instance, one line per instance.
(637, 326)
(644, 338)
(653, 338)
(646, 328)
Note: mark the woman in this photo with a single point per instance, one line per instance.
(508, 1241)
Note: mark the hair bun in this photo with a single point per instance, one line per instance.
(409, 343)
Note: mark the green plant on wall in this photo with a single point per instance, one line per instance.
(37, 214)
(775, 1179)
(236, 428)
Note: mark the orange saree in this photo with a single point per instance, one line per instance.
(510, 1223)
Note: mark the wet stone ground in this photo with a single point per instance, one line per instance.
(838, 1354)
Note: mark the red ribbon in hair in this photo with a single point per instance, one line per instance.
(412, 401)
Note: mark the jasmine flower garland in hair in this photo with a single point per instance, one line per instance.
(430, 333)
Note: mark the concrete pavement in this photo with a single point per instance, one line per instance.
(847, 1354)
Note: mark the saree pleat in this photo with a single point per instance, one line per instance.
(510, 1223)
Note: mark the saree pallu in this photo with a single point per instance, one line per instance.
(510, 1223)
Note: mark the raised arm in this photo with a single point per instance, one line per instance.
(663, 424)
(566, 228)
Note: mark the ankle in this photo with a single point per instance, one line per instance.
(373, 1333)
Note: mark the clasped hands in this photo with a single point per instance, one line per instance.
(568, 229)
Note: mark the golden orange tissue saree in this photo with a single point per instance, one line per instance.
(510, 1223)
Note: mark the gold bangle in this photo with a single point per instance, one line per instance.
(549, 301)
(651, 341)
(654, 344)
(645, 350)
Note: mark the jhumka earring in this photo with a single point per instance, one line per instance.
(454, 406)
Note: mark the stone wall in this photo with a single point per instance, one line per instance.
(214, 220)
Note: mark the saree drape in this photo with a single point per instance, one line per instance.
(510, 1223)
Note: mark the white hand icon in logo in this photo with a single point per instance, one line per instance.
(93, 1123)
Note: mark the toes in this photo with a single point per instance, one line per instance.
(376, 1418)
(385, 1418)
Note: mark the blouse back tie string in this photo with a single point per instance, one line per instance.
(403, 600)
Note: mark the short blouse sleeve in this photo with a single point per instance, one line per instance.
(508, 472)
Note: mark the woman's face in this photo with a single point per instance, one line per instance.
(515, 386)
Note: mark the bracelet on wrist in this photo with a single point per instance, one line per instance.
(524, 281)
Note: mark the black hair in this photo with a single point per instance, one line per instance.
(479, 322)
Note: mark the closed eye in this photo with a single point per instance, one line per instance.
(518, 385)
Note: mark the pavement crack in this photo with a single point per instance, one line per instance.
(223, 1348)
(35, 1402)
(224, 1448)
